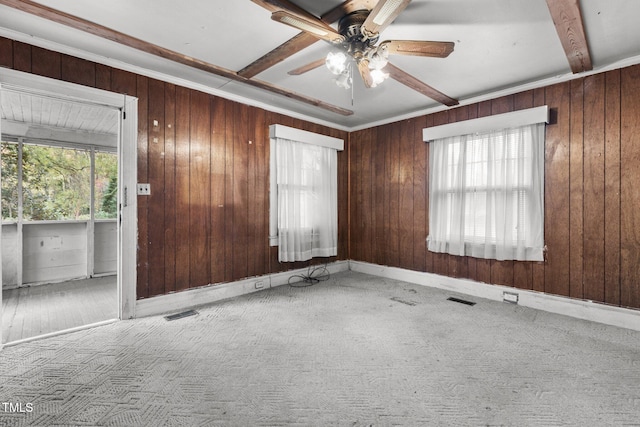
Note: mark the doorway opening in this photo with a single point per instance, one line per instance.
(66, 221)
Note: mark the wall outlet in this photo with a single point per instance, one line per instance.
(511, 297)
(144, 189)
(259, 284)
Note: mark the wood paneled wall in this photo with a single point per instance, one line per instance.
(207, 160)
(592, 193)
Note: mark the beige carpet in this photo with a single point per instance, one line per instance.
(355, 350)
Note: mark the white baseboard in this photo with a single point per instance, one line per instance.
(580, 309)
(188, 299)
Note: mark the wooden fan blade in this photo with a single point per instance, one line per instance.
(382, 15)
(277, 55)
(365, 73)
(329, 17)
(307, 67)
(300, 41)
(415, 84)
(283, 5)
(418, 48)
(315, 27)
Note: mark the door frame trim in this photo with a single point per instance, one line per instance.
(127, 170)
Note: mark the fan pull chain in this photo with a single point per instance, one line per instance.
(351, 78)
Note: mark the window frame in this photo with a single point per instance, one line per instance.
(91, 149)
(293, 134)
(471, 190)
(466, 133)
(314, 242)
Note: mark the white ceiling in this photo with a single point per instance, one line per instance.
(501, 46)
(38, 118)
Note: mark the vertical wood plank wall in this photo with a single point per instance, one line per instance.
(207, 160)
(592, 193)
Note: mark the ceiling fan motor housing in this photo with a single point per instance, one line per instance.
(349, 26)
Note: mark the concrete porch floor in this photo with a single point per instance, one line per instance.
(31, 311)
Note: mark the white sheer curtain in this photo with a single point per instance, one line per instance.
(486, 194)
(307, 198)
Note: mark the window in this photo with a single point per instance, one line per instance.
(486, 194)
(106, 185)
(9, 169)
(56, 183)
(304, 195)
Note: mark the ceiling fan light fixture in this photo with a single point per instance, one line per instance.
(336, 62)
(344, 80)
(378, 76)
(378, 58)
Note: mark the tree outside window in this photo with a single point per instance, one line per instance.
(56, 183)
(9, 181)
(106, 191)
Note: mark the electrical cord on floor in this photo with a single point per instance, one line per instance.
(315, 274)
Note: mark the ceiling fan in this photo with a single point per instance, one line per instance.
(356, 41)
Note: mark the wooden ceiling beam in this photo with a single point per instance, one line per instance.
(126, 40)
(567, 19)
